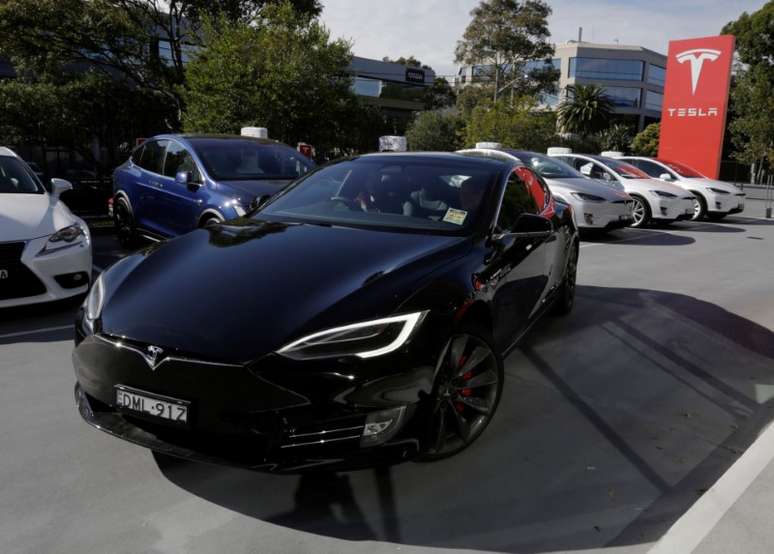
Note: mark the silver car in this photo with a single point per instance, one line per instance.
(595, 205)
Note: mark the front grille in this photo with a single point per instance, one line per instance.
(10, 252)
(16, 279)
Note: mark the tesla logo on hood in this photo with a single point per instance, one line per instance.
(696, 57)
(3, 274)
(152, 356)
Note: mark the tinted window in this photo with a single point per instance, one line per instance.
(153, 155)
(656, 75)
(550, 168)
(652, 169)
(15, 178)
(626, 97)
(390, 191)
(517, 199)
(234, 159)
(607, 69)
(683, 170)
(137, 154)
(178, 159)
(625, 170)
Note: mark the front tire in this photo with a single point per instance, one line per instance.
(466, 393)
(699, 207)
(641, 214)
(126, 229)
(565, 299)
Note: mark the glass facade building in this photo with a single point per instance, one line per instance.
(656, 75)
(625, 97)
(606, 69)
(654, 100)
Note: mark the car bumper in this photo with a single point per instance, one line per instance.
(602, 215)
(46, 278)
(276, 415)
(671, 209)
(726, 203)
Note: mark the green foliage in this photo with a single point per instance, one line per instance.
(752, 102)
(411, 61)
(283, 73)
(585, 111)
(439, 95)
(645, 143)
(502, 35)
(437, 130)
(517, 125)
(617, 137)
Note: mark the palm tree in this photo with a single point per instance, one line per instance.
(586, 110)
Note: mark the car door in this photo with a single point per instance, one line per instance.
(517, 263)
(179, 203)
(149, 186)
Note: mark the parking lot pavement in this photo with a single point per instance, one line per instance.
(614, 421)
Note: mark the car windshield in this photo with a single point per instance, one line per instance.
(683, 170)
(15, 178)
(550, 168)
(245, 159)
(625, 170)
(385, 191)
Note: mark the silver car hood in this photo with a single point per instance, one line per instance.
(563, 187)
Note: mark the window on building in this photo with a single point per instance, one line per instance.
(656, 75)
(363, 86)
(624, 97)
(606, 69)
(653, 100)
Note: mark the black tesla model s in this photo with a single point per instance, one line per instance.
(359, 317)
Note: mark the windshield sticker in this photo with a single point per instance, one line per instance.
(455, 216)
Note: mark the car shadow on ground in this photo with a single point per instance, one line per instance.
(47, 322)
(613, 422)
(707, 227)
(639, 236)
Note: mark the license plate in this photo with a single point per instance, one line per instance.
(162, 407)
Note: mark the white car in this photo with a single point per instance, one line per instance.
(712, 199)
(595, 206)
(654, 200)
(45, 251)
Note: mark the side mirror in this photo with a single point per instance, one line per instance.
(586, 170)
(185, 178)
(665, 177)
(532, 224)
(60, 186)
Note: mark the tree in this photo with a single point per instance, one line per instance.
(517, 125)
(411, 61)
(645, 143)
(752, 104)
(439, 95)
(503, 36)
(282, 72)
(585, 111)
(617, 137)
(437, 130)
(118, 37)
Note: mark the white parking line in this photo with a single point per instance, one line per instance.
(35, 331)
(695, 524)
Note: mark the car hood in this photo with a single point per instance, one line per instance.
(642, 186)
(563, 187)
(31, 216)
(237, 291)
(707, 183)
(247, 190)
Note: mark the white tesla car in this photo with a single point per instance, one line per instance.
(45, 251)
(654, 200)
(713, 199)
(595, 206)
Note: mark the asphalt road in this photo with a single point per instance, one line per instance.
(613, 422)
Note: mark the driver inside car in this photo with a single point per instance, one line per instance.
(427, 202)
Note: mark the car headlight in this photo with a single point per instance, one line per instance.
(588, 197)
(719, 191)
(92, 306)
(73, 235)
(663, 194)
(364, 340)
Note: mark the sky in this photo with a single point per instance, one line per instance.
(430, 29)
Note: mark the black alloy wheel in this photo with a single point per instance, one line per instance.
(123, 220)
(566, 295)
(468, 385)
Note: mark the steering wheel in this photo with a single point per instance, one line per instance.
(350, 203)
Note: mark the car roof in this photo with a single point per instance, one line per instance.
(195, 137)
(440, 156)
